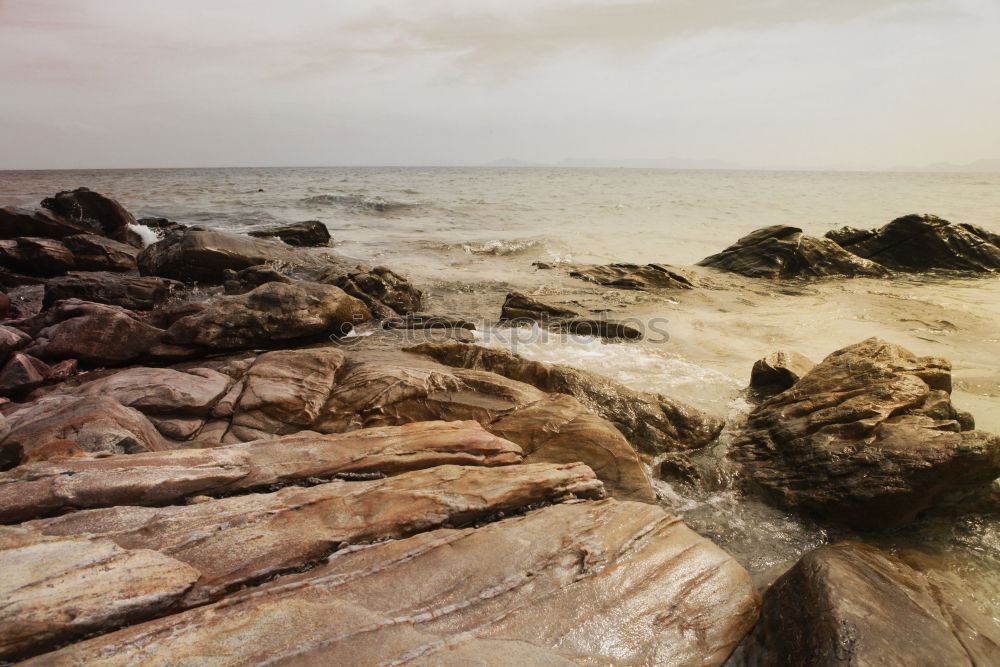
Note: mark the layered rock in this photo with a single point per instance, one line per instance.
(652, 423)
(101, 214)
(518, 306)
(16, 221)
(606, 582)
(59, 589)
(634, 276)
(852, 604)
(781, 251)
(36, 256)
(300, 234)
(869, 437)
(42, 489)
(777, 372)
(130, 292)
(241, 540)
(11, 340)
(922, 243)
(272, 312)
(92, 423)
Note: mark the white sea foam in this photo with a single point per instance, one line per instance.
(147, 235)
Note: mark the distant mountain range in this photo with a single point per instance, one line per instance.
(978, 165)
(665, 163)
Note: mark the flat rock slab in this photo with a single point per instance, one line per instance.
(634, 276)
(242, 540)
(852, 604)
(595, 583)
(55, 589)
(37, 490)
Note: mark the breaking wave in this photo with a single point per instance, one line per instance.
(359, 203)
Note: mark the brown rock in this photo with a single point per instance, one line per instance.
(96, 424)
(851, 604)
(160, 478)
(21, 373)
(518, 306)
(96, 253)
(591, 583)
(271, 312)
(131, 292)
(241, 540)
(11, 340)
(240, 282)
(781, 251)
(652, 423)
(204, 256)
(634, 276)
(100, 214)
(868, 437)
(59, 589)
(385, 292)
(36, 256)
(95, 334)
(15, 222)
(777, 372)
(300, 234)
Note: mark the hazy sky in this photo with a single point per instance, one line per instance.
(812, 83)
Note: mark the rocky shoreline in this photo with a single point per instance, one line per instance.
(202, 461)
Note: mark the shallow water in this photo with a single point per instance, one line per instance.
(468, 236)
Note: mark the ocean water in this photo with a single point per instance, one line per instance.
(467, 236)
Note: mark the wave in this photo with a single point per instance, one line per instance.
(359, 203)
(502, 248)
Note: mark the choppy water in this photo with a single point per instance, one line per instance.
(467, 236)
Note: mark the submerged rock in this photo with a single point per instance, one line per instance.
(244, 539)
(608, 582)
(652, 423)
(519, 309)
(869, 438)
(781, 251)
(852, 604)
(777, 372)
(42, 489)
(518, 306)
(634, 276)
(59, 589)
(300, 234)
(272, 312)
(923, 243)
(103, 215)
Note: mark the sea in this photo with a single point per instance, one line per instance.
(469, 236)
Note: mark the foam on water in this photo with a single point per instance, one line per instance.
(147, 235)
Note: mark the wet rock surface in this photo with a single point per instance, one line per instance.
(781, 251)
(852, 604)
(385, 292)
(869, 438)
(103, 215)
(130, 292)
(777, 372)
(651, 422)
(311, 233)
(607, 581)
(924, 243)
(634, 276)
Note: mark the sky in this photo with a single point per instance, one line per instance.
(852, 84)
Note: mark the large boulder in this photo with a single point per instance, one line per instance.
(922, 243)
(59, 589)
(781, 251)
(15, 222)
(36, 256)
(299, 234)
(199, 255)
(96, 253)
(634, 276)
(101, 214)
(869, 437)
(852, 604)
(93, 423)
(574, 583)
(130, 292)
(652, 423)
(94, 333)
(272, 312)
